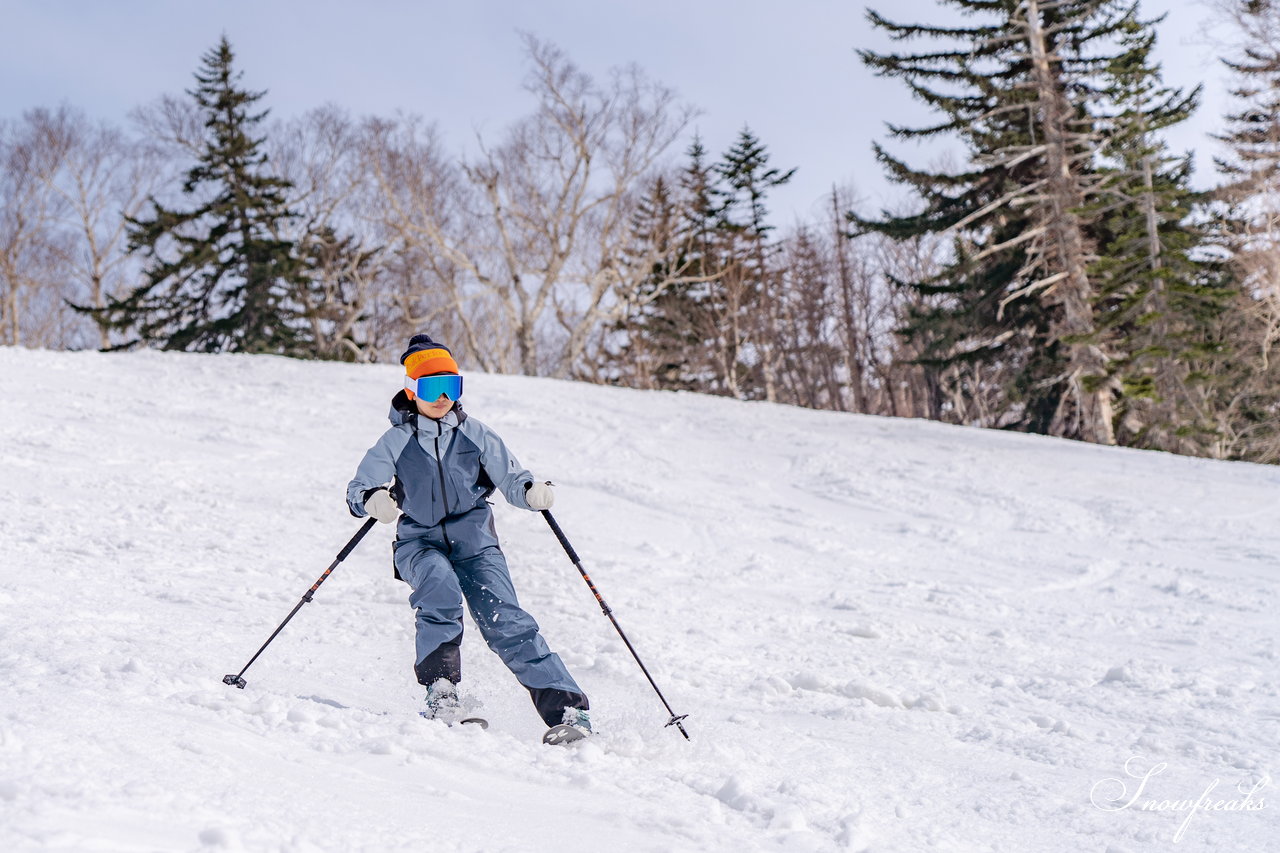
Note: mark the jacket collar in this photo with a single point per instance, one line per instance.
(403, 411)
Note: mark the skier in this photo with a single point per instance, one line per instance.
(432, 471)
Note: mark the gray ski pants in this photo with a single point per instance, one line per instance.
(442, 580)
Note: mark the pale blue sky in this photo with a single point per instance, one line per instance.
(786, 68)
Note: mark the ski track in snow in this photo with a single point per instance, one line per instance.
(889, 635)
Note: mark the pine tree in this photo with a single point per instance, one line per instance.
(1251, 221)
(1158, 307)
(220, 276)
(751, 301)
(1013, 321)
(658, 330)
(682, 330)
(703, 321)
(1248, 229)
(704, 202)
(337, 271)
(1253, 132)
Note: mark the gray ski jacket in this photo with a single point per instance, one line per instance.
(437, 469)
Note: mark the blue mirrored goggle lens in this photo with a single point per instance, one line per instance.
(429, 388)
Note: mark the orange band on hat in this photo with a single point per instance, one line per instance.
(428, 361)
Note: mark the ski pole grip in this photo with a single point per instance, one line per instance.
(564, 540)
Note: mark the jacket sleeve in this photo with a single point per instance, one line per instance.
(507, 474)
(377, 468)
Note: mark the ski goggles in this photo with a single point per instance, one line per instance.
(429, 388)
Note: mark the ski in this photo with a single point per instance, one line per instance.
(562, 734)
(466, 721)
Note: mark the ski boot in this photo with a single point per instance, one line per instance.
(575, 725)
(442, 704)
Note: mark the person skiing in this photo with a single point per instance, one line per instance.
(432, 472)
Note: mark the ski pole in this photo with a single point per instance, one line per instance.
(238, 679)
(568, 549)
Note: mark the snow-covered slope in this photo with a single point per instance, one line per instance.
(888, 635)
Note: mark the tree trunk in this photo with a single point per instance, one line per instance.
(1084, 411)
(851, 334)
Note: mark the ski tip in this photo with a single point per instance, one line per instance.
(478, 722)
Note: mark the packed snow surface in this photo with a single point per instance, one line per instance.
(888, 635)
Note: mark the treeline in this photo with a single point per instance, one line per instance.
(1065, 279)
(1087, 291)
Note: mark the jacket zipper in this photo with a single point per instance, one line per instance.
(444, 491)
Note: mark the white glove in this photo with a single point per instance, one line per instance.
(540, 496)
(381, 506)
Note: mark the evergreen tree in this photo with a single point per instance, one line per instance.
(703, 320)
(1252, 166)
(748, 179)
(1250, 221)
(1157, 305)
(711, 360)
(750, 297)
(674, 340)
(658, 330)
(220, 276)
(704, 204)
(1248, 229)
(1014, 321)
(337, 270)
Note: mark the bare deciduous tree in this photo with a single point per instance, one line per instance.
(422, 211)
(173, 125)
(30, 246)
(104, 178)
(539, 225)
(322, 154)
